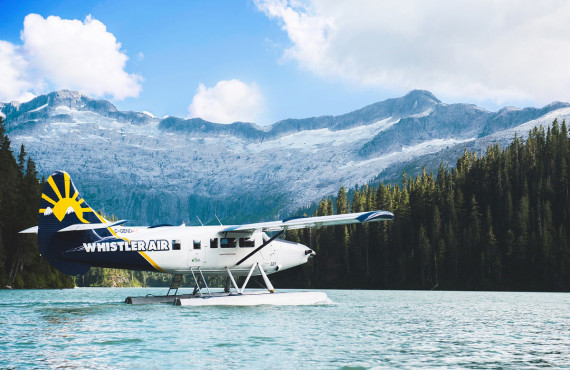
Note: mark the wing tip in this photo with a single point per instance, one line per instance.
(376, 216)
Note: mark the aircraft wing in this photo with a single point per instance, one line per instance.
(319, 221)
(84, 227)
(77, 227)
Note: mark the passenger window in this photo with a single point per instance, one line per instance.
(228, 243)
(214, 243)
(246, 243)
(176, 245)
(197, 244)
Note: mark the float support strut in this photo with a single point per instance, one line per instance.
(248, 276)
(266, 279)
(232, 279)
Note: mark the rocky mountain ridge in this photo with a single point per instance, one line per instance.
(152, 170)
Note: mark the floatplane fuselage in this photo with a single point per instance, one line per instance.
(74, 238)
(183, 249)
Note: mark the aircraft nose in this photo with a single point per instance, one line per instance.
(293, 254)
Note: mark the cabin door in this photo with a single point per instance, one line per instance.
(195, 255)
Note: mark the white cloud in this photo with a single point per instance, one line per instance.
(68, 54)
(14, 85)
(227, 102)
(79, 55)
(487, 49)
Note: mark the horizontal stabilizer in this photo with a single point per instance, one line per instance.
(319, 221)
(84, 227)
(31, 230)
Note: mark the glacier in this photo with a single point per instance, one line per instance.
(152, 170)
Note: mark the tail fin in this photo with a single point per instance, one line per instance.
(62, 206)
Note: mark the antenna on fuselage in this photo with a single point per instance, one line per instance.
(199, 220)
(215, 215)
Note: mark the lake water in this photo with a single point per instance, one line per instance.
(93, 328)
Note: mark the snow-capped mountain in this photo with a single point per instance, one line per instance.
(151, 170)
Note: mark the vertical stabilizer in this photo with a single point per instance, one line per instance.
(61, 206)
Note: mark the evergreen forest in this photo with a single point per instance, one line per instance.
(498, 221)
(20, 263)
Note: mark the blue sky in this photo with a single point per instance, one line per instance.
(268, 60)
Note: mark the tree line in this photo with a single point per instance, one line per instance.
(20, 263)
(498, 221)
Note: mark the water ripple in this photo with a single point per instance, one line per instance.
(92, 328)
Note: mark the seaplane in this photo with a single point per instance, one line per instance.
(74, 238)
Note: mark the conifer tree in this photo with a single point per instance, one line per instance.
(20, 263)
(498, 220)
(341, 232)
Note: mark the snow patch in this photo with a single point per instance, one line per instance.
(522, 130)
(48, 211)
(38, 108)
(431, 146)
(314, 140)
(422, 114)
(29, 139)
(64, 108)
(408, 153)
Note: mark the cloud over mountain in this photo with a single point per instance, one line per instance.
(12, 66)
(510, 50)
(227, 102)
(66, 54)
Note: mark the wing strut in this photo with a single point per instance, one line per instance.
(259, 248)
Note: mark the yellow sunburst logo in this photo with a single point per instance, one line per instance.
(64, 205)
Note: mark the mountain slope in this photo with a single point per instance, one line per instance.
(167, 170)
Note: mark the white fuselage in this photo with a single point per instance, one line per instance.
(211, 250)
